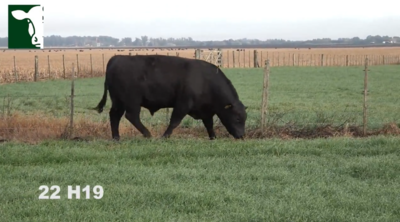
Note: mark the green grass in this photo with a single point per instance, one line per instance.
(336, 179)
(301, 95)
(200, 180)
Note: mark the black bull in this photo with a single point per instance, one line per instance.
(191, 87)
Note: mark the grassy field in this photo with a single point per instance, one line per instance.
(92, 62)
(199, 180)
(188, 177)
(298, 97)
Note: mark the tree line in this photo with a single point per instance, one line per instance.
(107, 41)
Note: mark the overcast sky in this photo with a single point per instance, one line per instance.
(217, 19)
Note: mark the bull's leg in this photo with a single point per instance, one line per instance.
(133, 115)
(177, 115)
(209, 124)
(116, 112)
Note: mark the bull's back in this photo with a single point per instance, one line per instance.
(157, 80)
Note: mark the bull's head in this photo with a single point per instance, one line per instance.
(34, 17)
(234, 116)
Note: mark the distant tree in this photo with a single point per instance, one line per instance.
(144, 40)
(72, 41)
(127, 41)
(137, 42)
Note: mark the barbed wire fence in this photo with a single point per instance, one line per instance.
(67, 118)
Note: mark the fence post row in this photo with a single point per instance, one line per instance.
(290, 59)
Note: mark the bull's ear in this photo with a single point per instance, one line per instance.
(228, 106)
(19, 14)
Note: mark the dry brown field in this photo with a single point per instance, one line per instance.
(19, 65)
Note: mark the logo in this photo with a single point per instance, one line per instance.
(25, 26)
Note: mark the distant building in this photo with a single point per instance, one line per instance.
(391, 41)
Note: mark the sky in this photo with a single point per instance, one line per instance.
(217, 20)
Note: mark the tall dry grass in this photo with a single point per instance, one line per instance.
(36, 128)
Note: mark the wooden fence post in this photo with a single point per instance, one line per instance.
(227, 55)
(249, 59)
(220, 59)
(365, 97)
(36, 75)
(298, 60)
(197, 54)
(91, 66)
(77, 65)
(264, 104)
(239, 58)
(322, 59)
(103, 63)
(71, 121)
(48, 64)
(279, 57)
(233, 57)
(256, 64)
(15, 71)
(294, 59)
(63, 60)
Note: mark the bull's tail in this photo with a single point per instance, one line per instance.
(103, 100)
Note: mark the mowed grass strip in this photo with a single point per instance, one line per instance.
(297, 95)
(201, 180)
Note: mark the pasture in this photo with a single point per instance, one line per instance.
(311, 163)
(305, 97)
(300, 101)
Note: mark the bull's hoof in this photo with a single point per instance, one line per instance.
(116, 138)
(213, 138)
(165, 136)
